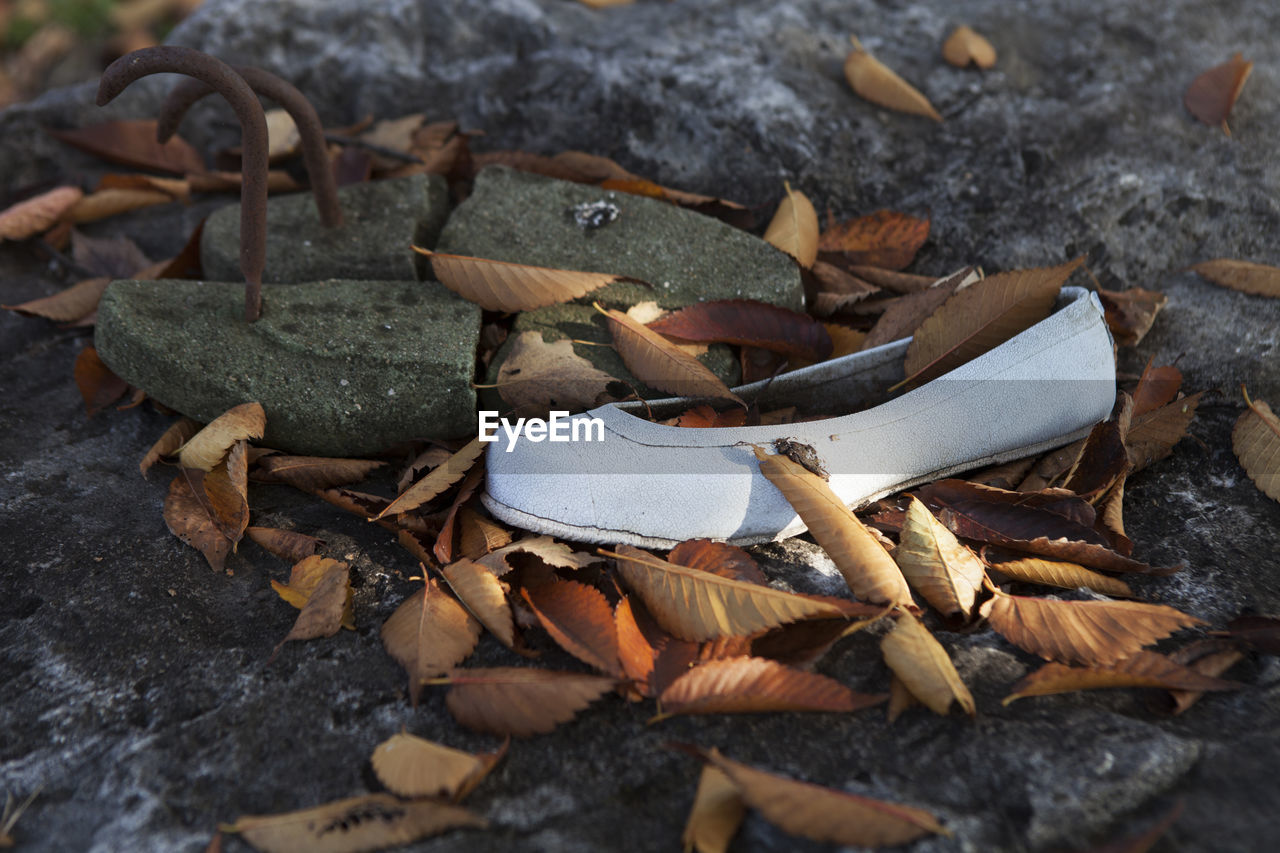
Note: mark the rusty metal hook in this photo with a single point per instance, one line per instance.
(315, 151)
(253, 141)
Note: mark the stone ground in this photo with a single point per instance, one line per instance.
(133, 682)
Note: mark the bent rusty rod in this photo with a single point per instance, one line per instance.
(253, 141)
(315, 151)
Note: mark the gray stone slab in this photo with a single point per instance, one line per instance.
(529, 219)
(342, 368)
(382, 220)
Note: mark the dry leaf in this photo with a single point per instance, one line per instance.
(214, 182)
(429, 634)
(482, 594)
(174, 437)
(893, 280)
(1207, 657)
(99, 387)
(66, 306)
(285, 544)
(717, 812)
(314, 473)
(877, 83)
(579, 619)
(920, 662)
(983, 316)
(636, 652)
(1211, 95)
(1103, 461)
(208, 447)
(825, 814)
(886, 239)
(1062, 575)
(964, 47)
(411, 767)
(657, 362)
(1260, 633)
(696, 605)
(1158, 386)
(1087, 632)
(188, 516)
(1152, 435)
(520, 701)
(35, 215)
(371, 822)
(480, 535)
(802, 644)
(443, 549)
(502, 286)
(545, 548)
(1256, 441)
(867, 567)
(739, 685)
(305, 577)
(104, 204)
(936, 565)
(704, 417)
(133, 144)
(794, 228)
(748, 322)
(1130, 313)
(903, 315)
(719, 558)
(227, 488)
(537, 377)
(326, 607)
(1142, 669)
(177, 189)
(436, 482)
(1244, 276)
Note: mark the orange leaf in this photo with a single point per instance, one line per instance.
(66, 306)
(1142, 669)
(207, 448)
(1211, 95)
(934, 562)
(964, 47)
(1158, 386)
(704, 417)
(502, 286)
(482, 594)
(188, 516)
(1244, 276)
(579, 619)
(1152, 435)
(877, 83)
(740, 685)
(313, 473)
(920, 662)
(326, 606)
(716, 814)
(750, 323)
(437, 481)
(35, 215)
(657, 362)
(371, 822)
(794, 228)
(429, 634)
(887, 239)
(174, 437)
(227, 488)
(1062, 575)
(305, 577)
(133, 144)
(1256, 441)
(285, 544)
(520, 701)
(98, 385)
(719, 558)
(411, 767)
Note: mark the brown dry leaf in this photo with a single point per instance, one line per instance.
(1142, 669)
(176, 188)
(900, 699)
(936, 565)
(480, 534)
(1244, 276)
(636, 651)
(717, 812)
(868, 569)
(844, 340)
(903, 315)
(802, 644)
(412, 767)
(133, 144)
(887, 239)
(213, 182)
(66, 306)
(657, 362)
(965, 46)
(520, 701)
(1086, 632)
(327, 605)
(605, 4)
(831, 279)
(285, 544)
(1067, 505)
(207, 448)
(1208, 657)
(314, 473)
(1256, 441)
(371, 822)
(114, 257)
(719, 558)
(704, 417)
(305, 577)
(1213, 93)
(741, 685)
(794, 227)
(545, 548)
(1103, 461)
(537, 377)
(1260, 633)
(748, 322)
(1111, 520)
(35, 215)
(507, 287)
(227, 488)
(1152, 435)
(892, 280)
(429, 634)
(697, 605)
(104, 204)
(436, 482)
(1158, 386)
(825, 814)
(580, 620)
(484, 595)
(188, 516)
(920, 662)
(1130, 313)
(1062, 575)
(443, 547)
(174, 437)
(983, 316)
(876, 82)
(99, 387)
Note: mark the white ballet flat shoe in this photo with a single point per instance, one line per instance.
(651, 485)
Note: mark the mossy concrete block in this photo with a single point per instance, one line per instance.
(341, 367)
(382, 219)
(530, 219)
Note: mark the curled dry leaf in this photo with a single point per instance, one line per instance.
(636, 651)
(104, 204)
(227, 488)
(285, 544)
(326, 606)
(1087, 632)
(717, 812)
(502, 286)
(920, 662)
(704, 417)
(802, 644)
(437, 481)
(1208, 657)
(868, 569)
(966, 47)
(429, 634)
(886, 240)
(1256, 441)
(305, 577)
(893, 280)
(1062, 575)
(826, 814)
(546, 549)
(903, 315)
(174, 437)
(1211, 95)
(537, 377)
(1244, 276)
(520, 701)
(1142, 669)
(1130, 313)
(1103, 461)
(414, 767)
(1260, 633)
(443, 547)
(371, 822)
(133, 144)
(209, 446)
(740, 685)
(696, 605)
(748, 322)
(37, 214)
(484, 595)
(719, 558)
(983, 316)
(657, 362)
(900, 699)
(480, 534)
(794, 228)
(188, 516)
(66, 306)
(934, 562)
(579, 619)
(1152, 435)
(99, 386)
(313, 473)
(876, 82)
(1158, 386)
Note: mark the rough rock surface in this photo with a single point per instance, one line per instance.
(135, 684)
